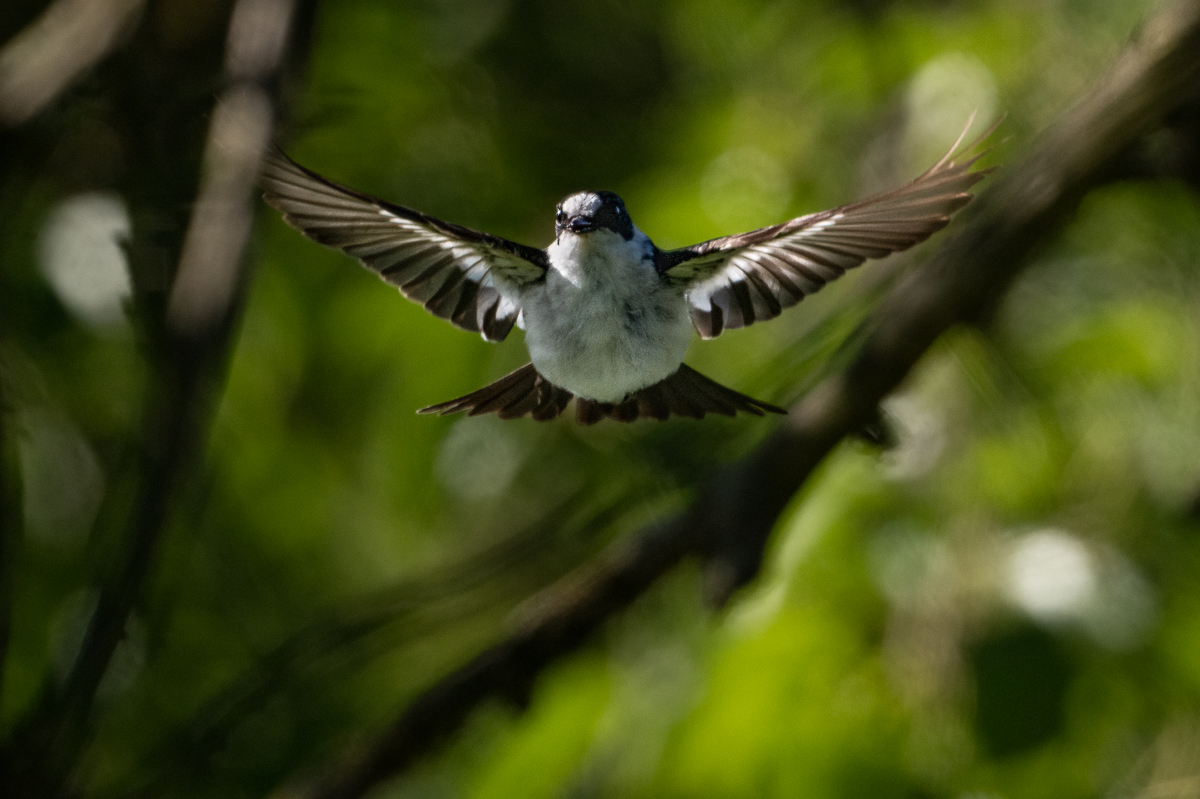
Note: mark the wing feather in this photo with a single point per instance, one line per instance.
(734, 281)
(469, 278)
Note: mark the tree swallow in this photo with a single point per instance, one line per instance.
(608, 315)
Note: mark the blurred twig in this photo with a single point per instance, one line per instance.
(69, 38)
(200, 303)
(8, 535)
(732, 516)
(189, 351)
(554, 625)
(241, 124)
(419, 606)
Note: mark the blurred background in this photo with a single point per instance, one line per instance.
(1003, 605)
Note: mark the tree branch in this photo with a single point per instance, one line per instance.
(733, 514)
(420, 606)
(190, 346)
(68, 39)
(8, 534)
(198, 312)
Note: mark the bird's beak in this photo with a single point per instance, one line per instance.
(581, 224)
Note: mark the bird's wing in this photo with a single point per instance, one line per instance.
(464, 276)
(737, 280)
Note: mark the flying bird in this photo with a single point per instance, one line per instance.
(607, 314)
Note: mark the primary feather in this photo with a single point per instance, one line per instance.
(466, 277)
(734, 281)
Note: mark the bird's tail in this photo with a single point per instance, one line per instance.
(526, 393)
(520, 393)
(685, 393)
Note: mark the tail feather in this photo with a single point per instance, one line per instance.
(685, 393)
(694, 395)
(519, 393)
(526, 393)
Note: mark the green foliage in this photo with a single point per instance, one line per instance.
(1004, 605)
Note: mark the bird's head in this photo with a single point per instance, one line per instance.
(589, 211)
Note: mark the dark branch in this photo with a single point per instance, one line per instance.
(189, 346)
(733, 515)
(8, 532)
(198, 313)
(67, 40)
(418, 606)
(569, 612)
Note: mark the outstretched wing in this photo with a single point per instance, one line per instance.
(464, 276)
(737, 280)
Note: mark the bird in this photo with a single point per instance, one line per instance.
(608, 315)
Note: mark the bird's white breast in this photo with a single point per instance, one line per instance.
(603, 324)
